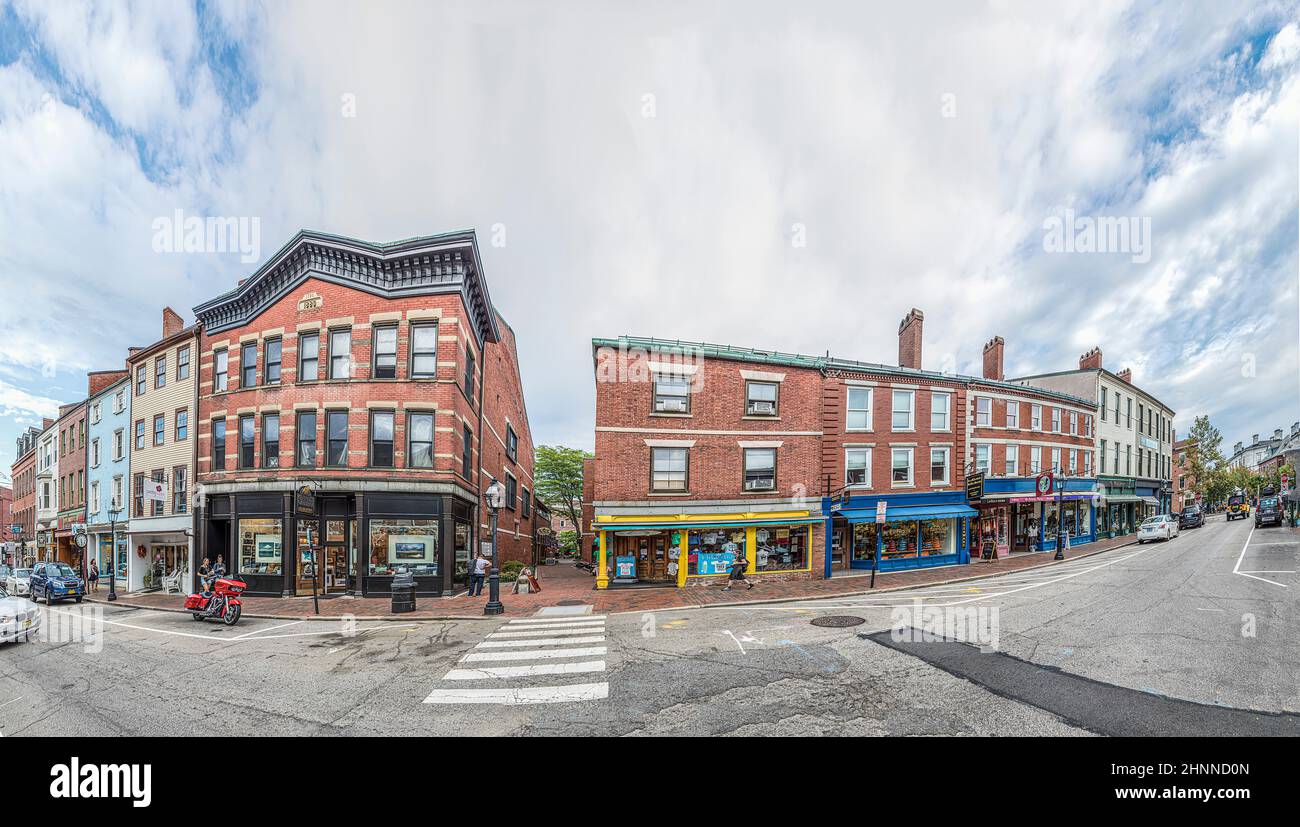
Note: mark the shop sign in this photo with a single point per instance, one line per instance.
(975, 486)
(1043, 483)
(155, 490)
(304, 501)
(625, 566)
(714, 563)
(1148, 442)
(880, 511)
(15, 529)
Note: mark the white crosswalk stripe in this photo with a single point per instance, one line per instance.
(523, 651)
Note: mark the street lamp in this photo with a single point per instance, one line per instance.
(1060, 515)
(113, 514)
(495, 496)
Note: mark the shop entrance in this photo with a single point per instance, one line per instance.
(650, 553)
(332, 549)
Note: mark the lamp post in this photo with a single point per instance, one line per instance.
(495, 496)
(1059, 482)
(113, 514)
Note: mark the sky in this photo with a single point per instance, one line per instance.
(783, 176)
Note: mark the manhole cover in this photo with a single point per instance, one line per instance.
(571, 603)
(838, 621)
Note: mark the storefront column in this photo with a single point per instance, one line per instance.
(751, 549)
(683, 556)
(602, 572)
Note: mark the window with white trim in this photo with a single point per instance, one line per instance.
(672, 394)
(1074, 424)
(983, 411)
(940, 411)
(1013, 414)
(982, 453)
(1074, 461)
(859, 410)
(1013, 460)
(901, 467)
(1056, 420)
(857, 467)
(902, 411)
(1035, 459)
(669, 469)
(939, 466)
(1056, 459)
(1036, 417)
(1087, 463)
(760, 469)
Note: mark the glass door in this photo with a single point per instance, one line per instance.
(309, 540)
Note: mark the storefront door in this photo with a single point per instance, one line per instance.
(652, 558)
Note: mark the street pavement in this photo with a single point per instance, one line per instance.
(1193, 635)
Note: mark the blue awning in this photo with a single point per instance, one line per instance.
(908, 512)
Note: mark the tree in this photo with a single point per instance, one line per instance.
(557, 476)
(567, 540)
(1201, 457)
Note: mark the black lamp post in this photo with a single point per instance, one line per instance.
(1060, 516)
(495, 497)
(113, 514)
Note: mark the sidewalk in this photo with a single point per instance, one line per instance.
(565, 585)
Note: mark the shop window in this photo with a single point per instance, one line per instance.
(781, 548)
(669, 469)
(939, 466)
(404, 546)
(218, 445)
(381, 439)
(260, 547)
(901, 467)
(308, 357)
(419, 433)
(937, 538)
(940, 412)
(336, 439)
(220, 370)
(385, 352)
(247, 442)
(424, 351)
(864, 542)
(183, 363)
(760, 469)
(1013, 460)
(857, 467)
(899, 540)
(1013, 414)
(672, 394)
(274, 357)
(305, 434)
(341, 354)
(761, 398)
(859, 410)
(983, 411)
(712, 551)
(160, 372)
(902, 411)
(982, 458)
(270, 440)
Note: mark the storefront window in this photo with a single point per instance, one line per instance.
(900, 540)
(864, 541)
(404, 545)
(712, 551)
(260, 547)
(462, 551)
(781, 549)
(937, 538)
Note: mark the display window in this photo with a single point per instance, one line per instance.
(900, 540)
(409, 546)
(864, 542)
(781, 548)
(937, 538)
(712, 551)
(260, 549)
(462, 551)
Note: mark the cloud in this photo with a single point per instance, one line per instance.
(656, 168)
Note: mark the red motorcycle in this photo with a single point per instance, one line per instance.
(221, 603)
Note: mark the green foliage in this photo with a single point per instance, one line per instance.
(510, 570)
(568, 540)
(558, 477)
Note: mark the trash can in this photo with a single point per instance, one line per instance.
(403, 590)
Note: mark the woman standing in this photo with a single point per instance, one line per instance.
(94, 576)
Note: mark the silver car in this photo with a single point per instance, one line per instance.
(18, 582)
(20, 618)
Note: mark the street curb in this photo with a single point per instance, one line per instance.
(728, 605)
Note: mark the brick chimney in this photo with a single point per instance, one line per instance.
(172, 323)
(909, 340)
(993, 359)
(100, 379)
(1126, 376)
(1091, 360)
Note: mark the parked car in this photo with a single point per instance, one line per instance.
(17, 583)
(19, 617)
(55, 581)
(1191, 517)
(1159, 527)
(1268, 513)
(1238, 507)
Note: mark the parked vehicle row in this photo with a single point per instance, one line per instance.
(20, 618)
(1269, 512)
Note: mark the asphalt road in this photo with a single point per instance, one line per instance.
(1193, 636)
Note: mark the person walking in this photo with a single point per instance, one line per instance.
(738, 565)
(481, 566)
(94, 576)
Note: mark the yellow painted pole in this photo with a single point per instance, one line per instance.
(751, 549)
(683, 555)
(602, 568)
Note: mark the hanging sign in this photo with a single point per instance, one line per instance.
(304, 501)
(880, 511)
(975, 486)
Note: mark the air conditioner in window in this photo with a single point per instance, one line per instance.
(762, 408)
(760, 484)
(672, 405)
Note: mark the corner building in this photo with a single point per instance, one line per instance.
(357, 371)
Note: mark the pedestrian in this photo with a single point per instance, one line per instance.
(94, 576)
(738, 566)
(481, 565)
(205, 576)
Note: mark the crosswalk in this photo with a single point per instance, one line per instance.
(506, 667)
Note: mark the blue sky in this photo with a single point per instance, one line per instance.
(751, 173)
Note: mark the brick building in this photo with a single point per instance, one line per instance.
(71, 480)
(23, 474)
(7, 537)
(355, 399)
(704, 453)
(1184, 484)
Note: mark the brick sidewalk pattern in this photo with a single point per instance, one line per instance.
(563, 583)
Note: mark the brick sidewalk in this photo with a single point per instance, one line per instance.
(564, 583)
